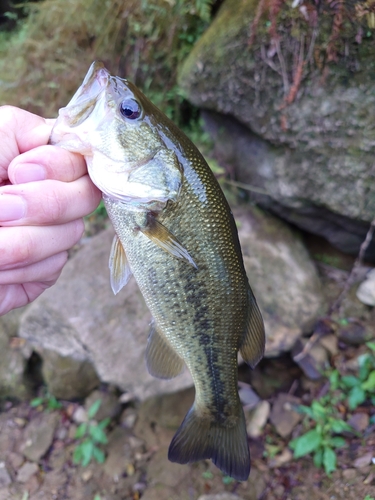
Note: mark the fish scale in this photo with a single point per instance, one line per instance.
(176, 234)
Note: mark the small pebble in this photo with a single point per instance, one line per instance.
(86, 475)
(21, 422)
(363, 460)
(348, 474)
(359, 421)
(27, 470)
(80, 415)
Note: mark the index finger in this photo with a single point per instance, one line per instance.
(20, 131)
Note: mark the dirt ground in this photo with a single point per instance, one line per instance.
(36, 447)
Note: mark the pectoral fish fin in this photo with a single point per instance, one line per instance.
(253, 343)
(201, 437)
(160, 235)
(118, 265)
(162, 361)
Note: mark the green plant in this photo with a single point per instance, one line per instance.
(361, 387)
(91, 434)
(47, 401)
(325, 421)
(322, 440)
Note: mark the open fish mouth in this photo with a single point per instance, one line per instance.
(84, 100)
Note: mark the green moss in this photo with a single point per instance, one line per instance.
(45, 59)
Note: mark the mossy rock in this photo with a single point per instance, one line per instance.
(321, 139)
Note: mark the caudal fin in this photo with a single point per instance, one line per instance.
(198, 438)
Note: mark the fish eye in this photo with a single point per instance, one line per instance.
(129, 108)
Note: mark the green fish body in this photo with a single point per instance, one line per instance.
(176, 234)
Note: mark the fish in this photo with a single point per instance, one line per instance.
(175, 232)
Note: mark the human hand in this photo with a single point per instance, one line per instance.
(44, 193)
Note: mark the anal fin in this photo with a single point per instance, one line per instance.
(253, 342)
(162, 360)
(162, 237)
(118, 265)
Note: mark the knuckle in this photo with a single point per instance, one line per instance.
(19, 253)
(54, 206)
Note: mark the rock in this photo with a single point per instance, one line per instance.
(80, 415)
(355, 332)
(66, 368)
(366, 290)
(359, 421)
(313, 362)
(330, 344)
(38, 435)
(363, 460)
(314, 157)
(349, 474)
(119, 453)
(258, 419)
(162, 471)
(160, 416)
(275, 259)
(5, 479)
(27, 470)
(83, 331)
(283, 416)
(220, 496)
(109, 407)
(5, 494)
(13, 358)
(248, 397)
(281, 459)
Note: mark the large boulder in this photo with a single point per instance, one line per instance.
(282, 276)
(84, 333)
(315, 160)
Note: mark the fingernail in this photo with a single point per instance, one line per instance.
(29, 172)
(12, 207)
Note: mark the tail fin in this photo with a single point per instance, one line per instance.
(198, 438)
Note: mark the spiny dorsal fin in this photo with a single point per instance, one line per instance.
(118, 265)
(160, 235)
(253, 342)
(162, 361)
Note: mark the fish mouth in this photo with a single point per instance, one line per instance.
(84, 100)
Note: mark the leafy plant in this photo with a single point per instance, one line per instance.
(91, 435)
(322, 440)
(48, 402)
(325, 421)
(361, 387)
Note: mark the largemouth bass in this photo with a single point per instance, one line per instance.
(176, 234)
